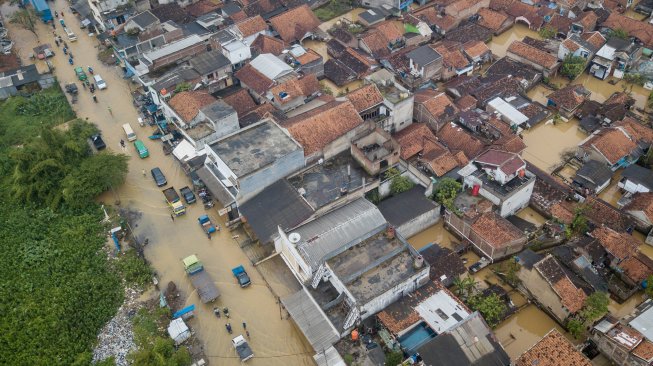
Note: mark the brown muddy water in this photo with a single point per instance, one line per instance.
(531, 216)
(499, 44)
(275, 341)
(546, 142)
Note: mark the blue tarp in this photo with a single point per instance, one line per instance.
(184, 311)
(115, 241)
(151, 108)
(42, 9)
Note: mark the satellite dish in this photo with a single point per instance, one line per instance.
(294, 238)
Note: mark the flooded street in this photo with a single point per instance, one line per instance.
(273, 340)
(499, 44)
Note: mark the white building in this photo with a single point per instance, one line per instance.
(508, 113)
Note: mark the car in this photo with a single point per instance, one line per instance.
(159, 178)
(101, 84)
(484, 262)
(188, 195)
(98, 142)
(81, 75)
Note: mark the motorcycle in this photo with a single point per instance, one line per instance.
(216, 311)
(226, 312)
(92, 88)
(228, 326)
(65, 50)
(90, 70)
(70, 61)
(94, 98)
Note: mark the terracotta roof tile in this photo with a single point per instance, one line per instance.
(466, 102)
(308, 57)
(452, 56)
(612, 143)
(412, 138)
(635, 269)
(238, 16)
(251, 26)
(562, 212)
(202, 7)
(571, 45)
(437, 157)
(460, 5)
(495, 230)
(571, 296)
(254, 79)
(365, 97)
(553, 350)
(437, 104)
(296, 87)
(508, 162)
(474, 49)
(533, 54)
(635, 129)
(241, 101)
(266, 44)
(596, 39)
(641, 202)
(635, 28)
(432, 16)
(389, 30)
(376, 43)
(457, 139)
(602, 213)
(318, 127)
(570, 97)
(187, 104)
(644, 350)
(491, 19)
(293, 24)
(620, 245)
(588, 20)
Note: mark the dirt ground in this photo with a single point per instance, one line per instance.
(275, 341)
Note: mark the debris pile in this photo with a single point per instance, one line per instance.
(117, 337)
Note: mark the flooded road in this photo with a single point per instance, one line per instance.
(273, 340)
(499, 44)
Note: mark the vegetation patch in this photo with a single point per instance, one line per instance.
(332, 9)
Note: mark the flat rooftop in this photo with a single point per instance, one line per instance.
(507, 189)
(254, 147)
(324, 183)
(374, 266)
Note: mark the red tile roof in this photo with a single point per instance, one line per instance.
(596, 39)
(253, 79)
(437, 157)
(187, 104)
(365, 97)
(588, 20)
(570, 97)
(318, 127)
(635, 28)
(635, 129)
(296, 87)
(635, 269)
(412, 139)
(571, 297)
(452, 55)
(308, 57)
(438, 104)
(457, 139)
(612, 143)
(251, 26)
(466, 102)
(202, 7)
(491, 19)
(533, 54)
(644, 350)
(241, 101)
(641, 202)
(509, 163)
(293, 24)
(266, 44)
(620, 245)
(553, 350)
(474, 49)
(495, 230)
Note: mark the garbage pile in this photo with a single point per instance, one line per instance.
(117, 337)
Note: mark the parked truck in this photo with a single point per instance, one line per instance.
(242, 348)
(242, 276)
(207, 225)
(174, 201)
(200, 279)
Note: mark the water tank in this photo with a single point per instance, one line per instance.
(419, 261)
(294, 238)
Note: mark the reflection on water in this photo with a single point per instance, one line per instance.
(499, 44)
(546, 142)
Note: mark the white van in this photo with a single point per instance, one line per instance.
(71, 36)
(101, 84)
(131, 136)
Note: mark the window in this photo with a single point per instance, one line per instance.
(441, 314)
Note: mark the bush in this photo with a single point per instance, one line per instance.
(572, 66)
(398, 183)
(491, 307)
(618, 33)
(394, 358)
(547, 32)
(446, 192)
(332, 9)
(637, 79)
(134, 269)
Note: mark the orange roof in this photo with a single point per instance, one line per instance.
(641, 202)
(571, 296)
(251, 26)
(457, 139)
(495, 230)
(292, 25)
(318, 127)
(644, 350)
(562, 213)
(570, 44)
(241, 101)
(635, 28)
(254, 79)
(389, 30)
(266, 44)
(620, 245)
(552, 350)
(365, 97)
(533, 54)
(308, 57)
(438, 105)
(596, 39)
(466, 102)
(491, 19)
(412, 139)
(613, 143)
(437, 157)
(187, 104)
(635, 269)
(452, 56)
(635, 129)
(474, 49)
(296, 87)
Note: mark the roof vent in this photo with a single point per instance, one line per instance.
(294, 238)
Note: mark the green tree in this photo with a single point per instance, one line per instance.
(394, 358)
(649, 286)
(634, 78)
(398, 183)
(579, 224)
(547, 32)
(508, 270)
(182, 87)
(446, 192)
(491, 307)
(572, 66)
(27, 19)
(618, 33)
(134, 269)
(595, 306)
(94, 175)
(576, 327)
(465, 286)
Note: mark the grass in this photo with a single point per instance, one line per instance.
(332, 9)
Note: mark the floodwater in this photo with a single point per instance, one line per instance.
(531, 216)
(499, 44)
(546, 142)
(435, 234)
(611, 193)
(273, 340)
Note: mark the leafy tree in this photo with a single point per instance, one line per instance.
(446, 192)
(398, 183)
(509, 271)
(394, 358)
(618, 33)
(154, 347)
(572, 66)
(579, 224)
(181, 87)
(649, 286)
(637, 79)
(464, 286)
(27, 19)
(576, 327)
(595, 306)
(491, 307)
(95, 175)
(547, 32)
(134, 269)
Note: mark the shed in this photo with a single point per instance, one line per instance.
(311, 320)
(593, 176)
(178, 331)
(410, 212)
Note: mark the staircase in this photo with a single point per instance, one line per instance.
(351, 318)
(321, 271)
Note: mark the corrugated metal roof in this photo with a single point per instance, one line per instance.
(330, 357)
(308, 316)
(644, 323)
(174, 47)
(270, 66)
(332, 231)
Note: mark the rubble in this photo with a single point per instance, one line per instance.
(117, 338)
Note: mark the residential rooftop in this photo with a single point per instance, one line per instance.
(254, 147)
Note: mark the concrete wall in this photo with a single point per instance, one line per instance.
(255, 182)
(542, 292)
(632, 187)
(169, 59)
(420, 223)
(615, 353)
(290, 255)
(378, 3)
(401, 114)
(518, 200)
(382, 301)
(342, 143)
